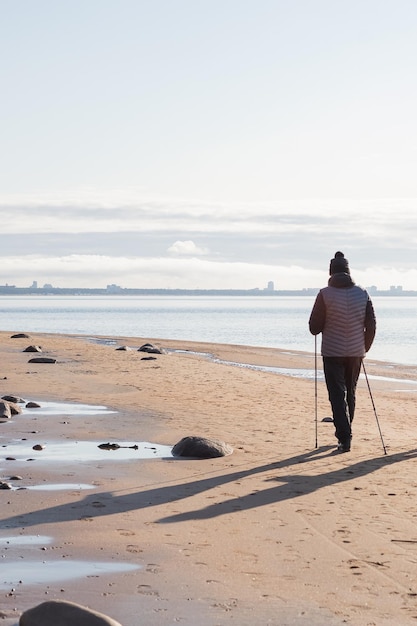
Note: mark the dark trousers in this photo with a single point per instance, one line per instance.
(341, 375)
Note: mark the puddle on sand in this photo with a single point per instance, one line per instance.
(68, 408)
(49, 487)
(68, 452)
(59, 487)
(23, 572)
(25, 540)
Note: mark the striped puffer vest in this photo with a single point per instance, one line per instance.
(344, 328)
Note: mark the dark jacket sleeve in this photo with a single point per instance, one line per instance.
(370, 325)
(318, 315)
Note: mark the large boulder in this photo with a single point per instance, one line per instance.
(14, 408)
(63, 613)
(201, 448)
(5, 410)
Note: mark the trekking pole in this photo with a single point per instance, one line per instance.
(315, 386)
(373, 405)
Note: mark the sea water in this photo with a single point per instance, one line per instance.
(264, 321)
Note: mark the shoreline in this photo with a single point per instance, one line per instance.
(238, 539)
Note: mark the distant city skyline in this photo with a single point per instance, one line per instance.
(115, 289)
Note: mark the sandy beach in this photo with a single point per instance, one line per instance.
(279, 532)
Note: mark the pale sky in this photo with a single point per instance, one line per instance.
(207, 143)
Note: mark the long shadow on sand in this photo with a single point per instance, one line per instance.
(290, 486)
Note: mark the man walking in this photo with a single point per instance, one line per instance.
(344, 314)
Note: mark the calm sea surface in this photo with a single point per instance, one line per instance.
(267, 321)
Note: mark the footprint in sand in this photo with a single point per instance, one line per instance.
(147, 590)
(125, 533)
(134, 549)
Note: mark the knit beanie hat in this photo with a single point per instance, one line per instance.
(339, 264)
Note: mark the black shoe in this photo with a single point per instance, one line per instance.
(343, 447)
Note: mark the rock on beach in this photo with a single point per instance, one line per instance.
(7, 409)
(62, 613)
(14, 399)
(201, 448)
(150, 348)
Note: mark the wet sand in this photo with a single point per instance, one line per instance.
(279, 532)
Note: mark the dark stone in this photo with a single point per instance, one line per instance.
(109, 446)
(20, 336)
(42, 359)
(33, 349)
(149, 347)
(149, 358)
(14, 399)
(14, 408)
(201, 448)
(116, 446)
(5, 410)
(125, 348)
(63, 613)
(33, 405)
